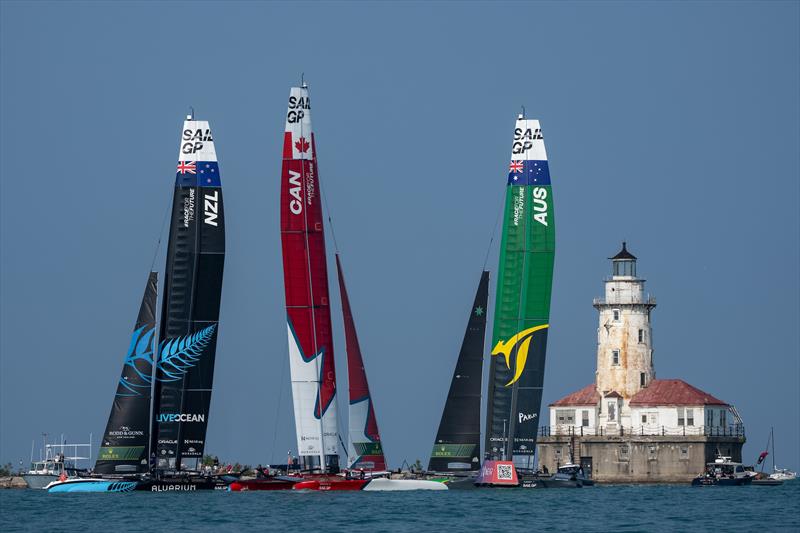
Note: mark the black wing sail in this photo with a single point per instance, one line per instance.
(125, 441)
(190, 307)
(457, 445)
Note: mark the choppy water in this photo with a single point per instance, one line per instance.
(602, 508)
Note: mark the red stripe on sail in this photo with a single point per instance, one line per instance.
(287, 145)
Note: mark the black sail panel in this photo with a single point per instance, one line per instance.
(190, 307)
(126, 438)
(457, 444)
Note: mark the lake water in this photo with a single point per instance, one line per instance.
(601, 508)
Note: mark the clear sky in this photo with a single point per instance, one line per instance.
(672, 125)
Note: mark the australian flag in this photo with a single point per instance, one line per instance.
(197, 173)
(525, 172)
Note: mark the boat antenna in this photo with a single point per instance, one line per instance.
(523, 111)
(191, 113)
(303, 80)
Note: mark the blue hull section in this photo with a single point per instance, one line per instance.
(93, 485)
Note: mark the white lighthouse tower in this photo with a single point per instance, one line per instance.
(624, 340)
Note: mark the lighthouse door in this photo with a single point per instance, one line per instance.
(586, 464)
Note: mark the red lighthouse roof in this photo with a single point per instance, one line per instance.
(672, 392)
(586, 396)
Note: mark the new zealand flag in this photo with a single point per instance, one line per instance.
(197, 173)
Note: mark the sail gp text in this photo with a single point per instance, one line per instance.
(192, 140)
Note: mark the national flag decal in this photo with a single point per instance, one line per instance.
(515, 166)
(302, 145)
(185, 167)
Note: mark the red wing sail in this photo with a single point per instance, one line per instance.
(306, 284)
(364, 449)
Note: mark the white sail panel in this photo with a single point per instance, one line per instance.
(305, 393)
(528, 141)
(298, 123)
(196, 144)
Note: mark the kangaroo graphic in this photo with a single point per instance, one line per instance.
(523, 338)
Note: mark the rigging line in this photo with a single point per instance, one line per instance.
(278, 408)
(494, 230)
(327, 207)
(161, 232)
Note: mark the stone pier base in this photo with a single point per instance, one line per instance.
(638, 459)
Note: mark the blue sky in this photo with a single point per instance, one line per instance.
(674, 126)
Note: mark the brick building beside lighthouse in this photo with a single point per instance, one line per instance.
(629, 426)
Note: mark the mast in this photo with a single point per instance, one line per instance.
(522, 307)
(305, 274)
(124, 448)
(457, 445)
(190, 306)
(364, 450)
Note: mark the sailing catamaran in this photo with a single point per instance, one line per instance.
(154, 442)
(305, 274)
(308, 313)
(521, 321)
(522, 306)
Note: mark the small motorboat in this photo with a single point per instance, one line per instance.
(724, 472)
(56, 464)
(568, 476)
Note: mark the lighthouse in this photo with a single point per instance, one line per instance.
(624, 339)
(627, 426)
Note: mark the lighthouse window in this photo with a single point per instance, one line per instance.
(723, 419)
(709, 417)
(681, 416)
(616, 315)
(641, 335)
(585, 419)
(690, 417)
(642, 379)
(612, 411)
(566, 417)
(615, 357)
(624, 452)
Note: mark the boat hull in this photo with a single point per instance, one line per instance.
(39, 481)
(92, 485)
(721, 482)
(383, 484)
(182, 485)
(332, 484)
(262, 484)
(369, 484)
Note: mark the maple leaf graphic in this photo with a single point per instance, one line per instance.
(301, 145)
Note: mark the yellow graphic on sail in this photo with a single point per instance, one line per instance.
(523, 338)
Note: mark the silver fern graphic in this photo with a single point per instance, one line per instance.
(138, 368)
(178, 355)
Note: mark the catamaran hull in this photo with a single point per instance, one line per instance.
(92, 485)
(261, 484)
(377, 484)
(188, 485)
(383, 484)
